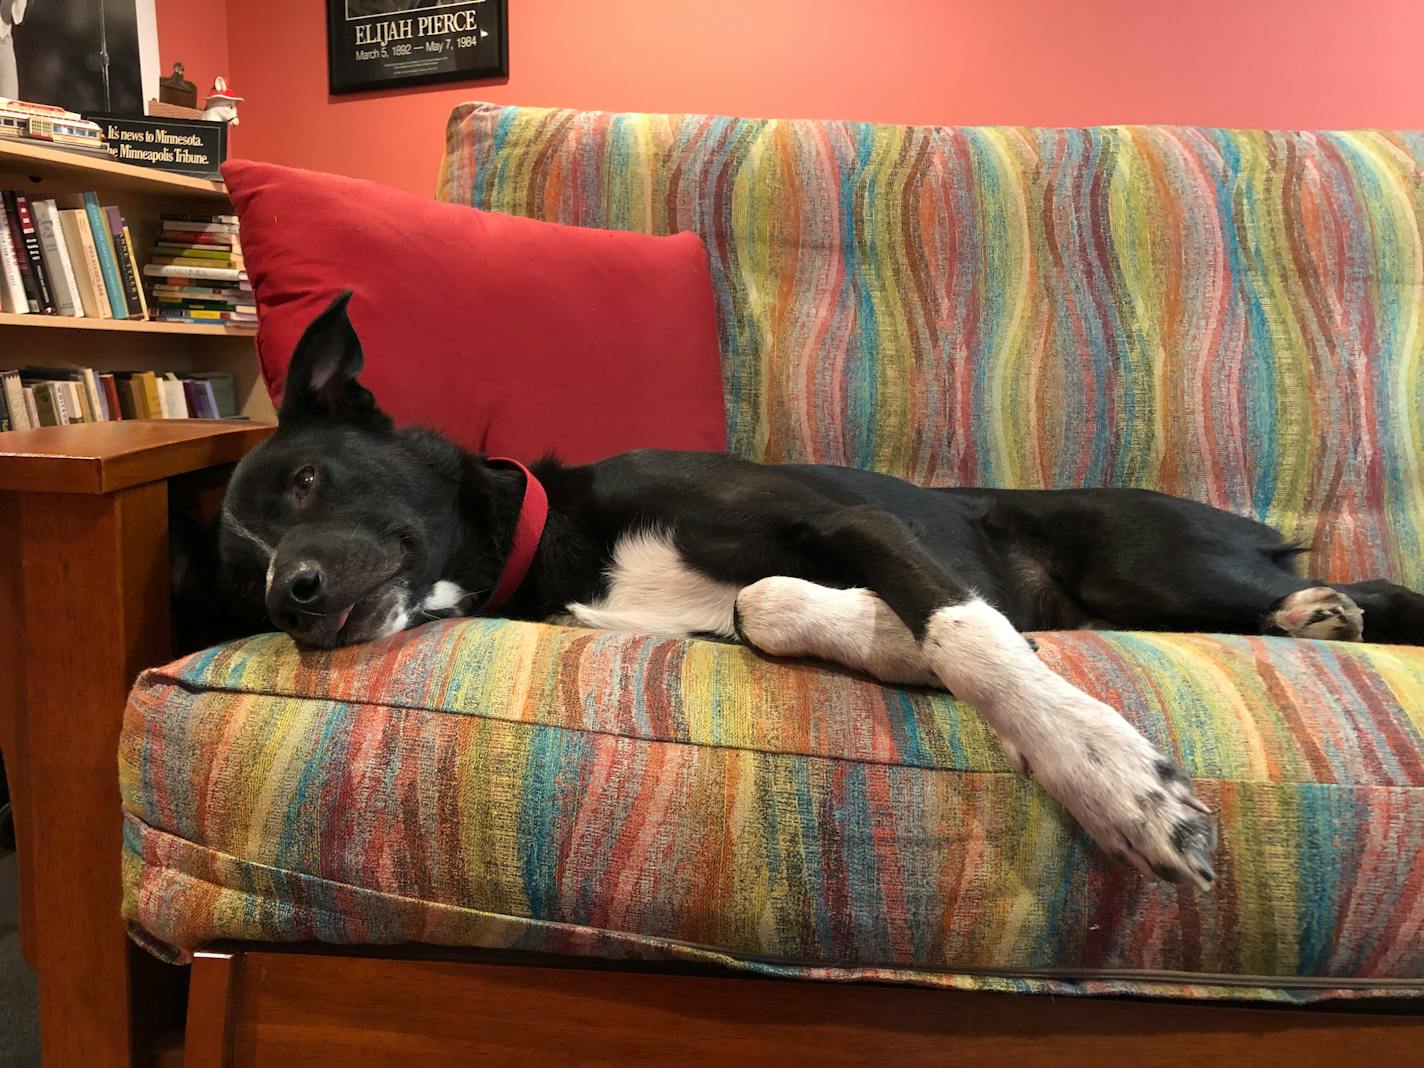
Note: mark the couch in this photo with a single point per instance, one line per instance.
(1233, 316)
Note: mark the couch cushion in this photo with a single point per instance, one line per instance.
(515, 337)
(490, 783)
(1233, 316)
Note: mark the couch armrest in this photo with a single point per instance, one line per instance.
(106, 457)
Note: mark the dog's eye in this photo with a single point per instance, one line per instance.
(246, 591)
(303, 481)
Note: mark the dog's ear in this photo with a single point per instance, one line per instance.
(321, 379)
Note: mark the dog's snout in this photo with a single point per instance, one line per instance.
(305, 584)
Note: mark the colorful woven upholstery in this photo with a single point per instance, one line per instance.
(1236, 317)
(517, 785)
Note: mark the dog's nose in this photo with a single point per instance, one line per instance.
(297, 597)
(305, 584)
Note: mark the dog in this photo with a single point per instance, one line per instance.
(342, 529)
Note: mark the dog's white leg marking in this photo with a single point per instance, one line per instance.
(1320, 612)
(652, 590)
(792, 617)
(1129, 797)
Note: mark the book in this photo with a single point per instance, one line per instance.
(128, 270)
(104, 247)
(90, 278)
(198, 239)
(15, 399)
(198, 226)
(223, 388)
(129, 401)
(31, 407)
(152, 398)
(177, 399)
(56, 258)
(94, 395)
(12, 289)
(180, 217)
(45, 404)
(160, 270)
(75, 403)
(22, 257)
(111, 397)
(131, 283)
(5, 423)
(36, 255)
(198, 252)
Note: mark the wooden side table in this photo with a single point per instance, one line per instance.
(85, 595)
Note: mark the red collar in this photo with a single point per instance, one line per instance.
(533, 513)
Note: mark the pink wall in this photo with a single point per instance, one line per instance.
(1283, 63)
(193, 32)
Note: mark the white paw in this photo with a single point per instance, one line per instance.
(1319, 612)
(792, 617)
(1130, 798)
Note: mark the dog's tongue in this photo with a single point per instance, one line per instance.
(341, 619)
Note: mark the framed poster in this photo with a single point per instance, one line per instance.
(379, 44)
(80, 55)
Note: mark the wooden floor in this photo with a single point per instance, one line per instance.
(262, 1005)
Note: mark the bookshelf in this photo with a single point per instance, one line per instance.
(105, 344)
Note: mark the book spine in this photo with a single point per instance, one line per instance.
(152, 398)
(91, 276)
(128, 399)
(198, 226)
(59, 395)
(36, 254)
(104, 248)
(12, 289)
(22, 258)
(159, 270)
(111, 396)
(128, 274)
(61, 275)
(15, 398)
(92, 394)
(31, 406)
(75, 402)
(5, 423)
(194, 239)
(44, 404)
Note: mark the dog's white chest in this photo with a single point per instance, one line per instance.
(652, 590)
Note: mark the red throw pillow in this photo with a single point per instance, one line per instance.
(512, 336)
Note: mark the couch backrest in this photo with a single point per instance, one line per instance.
(1234, 316)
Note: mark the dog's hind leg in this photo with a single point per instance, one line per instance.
(1131, 799)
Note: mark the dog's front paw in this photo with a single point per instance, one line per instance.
(1134, 802)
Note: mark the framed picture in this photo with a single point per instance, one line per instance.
(380, 44)
(80, 55)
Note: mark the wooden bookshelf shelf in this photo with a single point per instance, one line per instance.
(143, 195)
(39, 161)
(139, 326)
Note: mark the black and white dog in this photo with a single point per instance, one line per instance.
(342, 529)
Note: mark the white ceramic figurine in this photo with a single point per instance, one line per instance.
(221, 104)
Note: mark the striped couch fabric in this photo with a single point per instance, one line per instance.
(1233, 316)
(522, 786)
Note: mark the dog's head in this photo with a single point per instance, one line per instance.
(339, 527)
